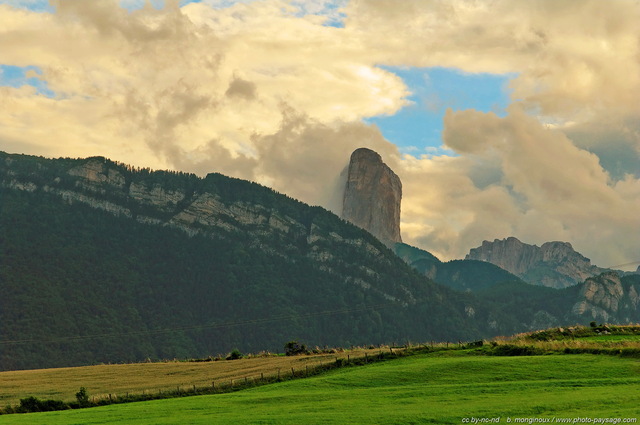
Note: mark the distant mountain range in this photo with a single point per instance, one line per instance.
(610, 297)
(103, 262)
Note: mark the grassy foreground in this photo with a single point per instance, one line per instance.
(441, 388)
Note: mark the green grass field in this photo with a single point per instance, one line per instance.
(440, 388)
(612, 338)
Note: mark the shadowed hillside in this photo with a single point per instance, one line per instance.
(105, 263)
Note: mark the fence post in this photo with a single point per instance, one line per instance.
(293, 374)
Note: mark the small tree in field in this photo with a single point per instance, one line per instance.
(83, 397)
(234, 355)
(293, 348)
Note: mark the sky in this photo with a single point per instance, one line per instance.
(502, 118)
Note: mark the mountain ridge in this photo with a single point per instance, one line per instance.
(554, 264)
(173, 265)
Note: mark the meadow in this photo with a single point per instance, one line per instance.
(154, 378)
(577, 375)
(446, 387)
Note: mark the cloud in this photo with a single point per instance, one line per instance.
(544, 188)
(308, 159)
(555, 172)
(176, 82)
(271, 91)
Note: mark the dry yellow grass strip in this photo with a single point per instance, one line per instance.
(120, 379)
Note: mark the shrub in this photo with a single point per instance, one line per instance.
(293, 348)
(234, 355)
(516, 350)
(33, 404)
(630, 352)
(83, 397)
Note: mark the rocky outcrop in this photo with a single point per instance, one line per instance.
(372, 196)
(156, 195)
(554, 264)
(606, 298)
(95, 175)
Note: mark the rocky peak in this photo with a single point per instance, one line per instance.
(372, 196)
(555, 264)
(509, 254)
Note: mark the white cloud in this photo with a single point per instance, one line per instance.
(266, 90)
(544, 188)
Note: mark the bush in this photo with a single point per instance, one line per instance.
(293, 348)
(630, 352)
(516, 350)
(83, 397)
(234, 355)
(33, 404)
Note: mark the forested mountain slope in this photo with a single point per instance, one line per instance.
(461, 275)
(100, 262)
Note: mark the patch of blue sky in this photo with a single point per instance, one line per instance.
(331, 10)
(18, 76)
(33, 5)
(417, 128)
(45, 5)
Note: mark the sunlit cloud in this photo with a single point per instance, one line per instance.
(281, 92)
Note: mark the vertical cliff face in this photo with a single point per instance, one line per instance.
(372, 196)
(510, 254)
(608, 298)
